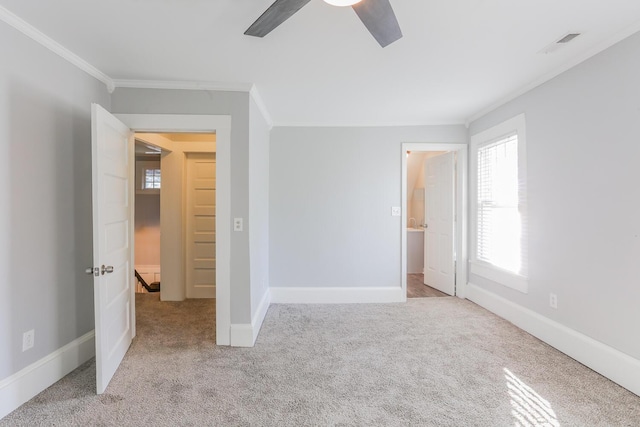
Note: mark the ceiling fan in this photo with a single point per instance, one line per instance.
(376, 15)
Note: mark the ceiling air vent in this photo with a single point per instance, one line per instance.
(562, 41)
(568, 38)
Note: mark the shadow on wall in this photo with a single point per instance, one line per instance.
(49, 218)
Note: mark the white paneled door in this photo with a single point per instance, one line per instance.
(201, 226)
(112, 151)
(439, 184)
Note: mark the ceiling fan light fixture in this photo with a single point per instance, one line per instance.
(342, 2)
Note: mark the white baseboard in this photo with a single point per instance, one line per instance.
(613, 364)
(245, 335)
(28, 382)
(241, 335)
(336, 295)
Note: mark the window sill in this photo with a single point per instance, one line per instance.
(500, 276)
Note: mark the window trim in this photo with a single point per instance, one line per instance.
(484, 269)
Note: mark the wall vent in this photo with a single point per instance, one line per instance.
(568, 38)
(562, 41)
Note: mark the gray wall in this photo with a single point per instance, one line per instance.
(235, 104)
(258, 205)
(583, 151)
(331, 193)
(45, 199)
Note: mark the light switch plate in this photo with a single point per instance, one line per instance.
(237, 224)
(395, 211)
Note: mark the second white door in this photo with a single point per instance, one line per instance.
(201, 226)
(439, 261)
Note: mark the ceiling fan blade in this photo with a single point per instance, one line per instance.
(278, 12)
(378, 17)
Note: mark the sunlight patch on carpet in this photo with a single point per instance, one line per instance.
(527, 407)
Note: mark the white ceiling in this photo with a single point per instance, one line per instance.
(321, 67)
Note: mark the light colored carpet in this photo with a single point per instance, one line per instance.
(429, 362)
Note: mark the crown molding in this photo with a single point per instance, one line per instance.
(55, 47)
(376, 124)
(182, 85)
(600, 47)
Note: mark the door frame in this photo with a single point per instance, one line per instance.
(221, 126)
(462, 212)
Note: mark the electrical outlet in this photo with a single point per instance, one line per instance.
(28, 339)
(237, 224)
(553, 300)
(395, 211)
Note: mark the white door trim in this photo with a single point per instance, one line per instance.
(461, 242)
(221, 125)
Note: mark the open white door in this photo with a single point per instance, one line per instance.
(439, 184)
(112, 149)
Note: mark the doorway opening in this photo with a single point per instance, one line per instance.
(176, 213)
(424, 204)
(150, 126)
(434, 222)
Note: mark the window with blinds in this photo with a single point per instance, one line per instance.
(499, 208)
(499, 230)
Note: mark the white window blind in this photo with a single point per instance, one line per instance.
(500, 216)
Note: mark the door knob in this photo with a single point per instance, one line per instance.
(107, 269)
